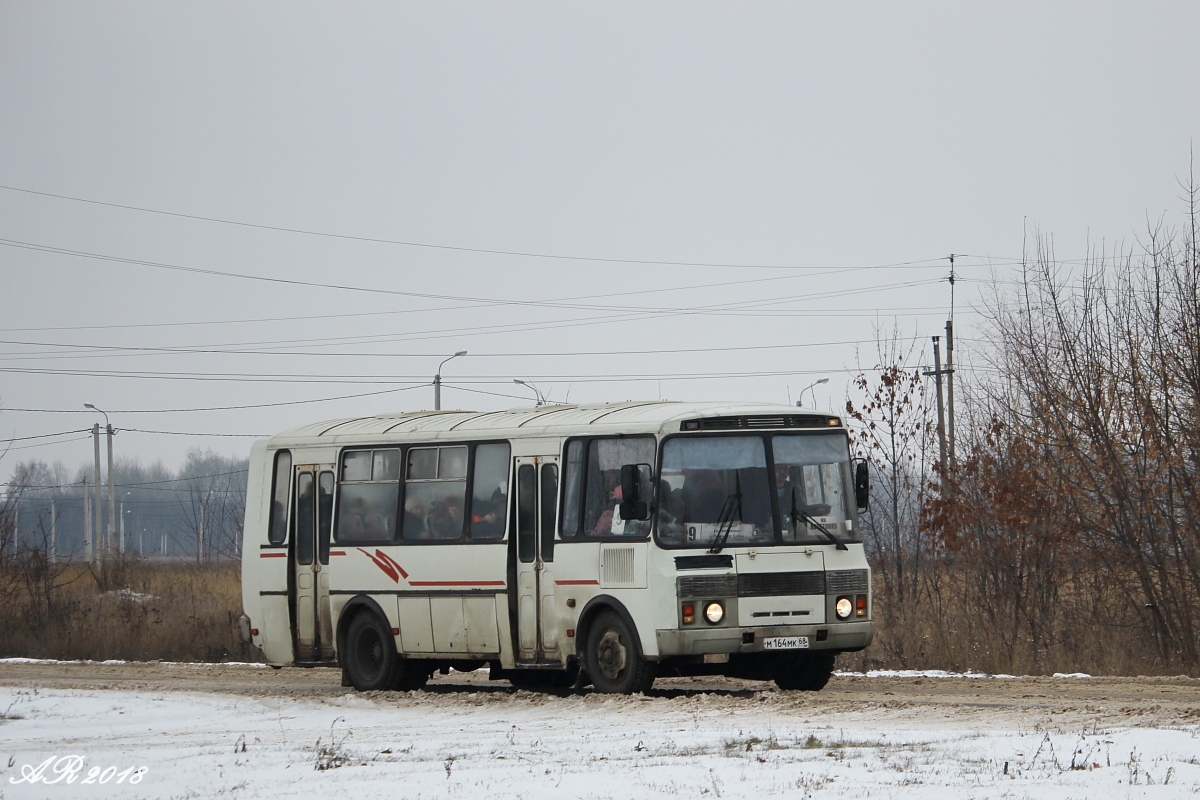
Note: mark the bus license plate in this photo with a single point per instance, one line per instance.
(785, 643)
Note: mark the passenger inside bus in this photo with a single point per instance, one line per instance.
(414, 519)
(487, 516)
(445, 520)
(354, 524)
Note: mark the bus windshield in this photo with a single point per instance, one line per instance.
(718, 490)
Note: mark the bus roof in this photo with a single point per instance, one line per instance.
(650, 416)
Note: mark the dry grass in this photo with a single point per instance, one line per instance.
(947, 626)
(183, 612)
(134, 611)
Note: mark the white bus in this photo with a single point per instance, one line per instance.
(561, 545)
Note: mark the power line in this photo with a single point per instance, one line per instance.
(45, 444)
(214, 408)
(582, 353)
(187, 433)
(426, 245)
(721, 309)
(479, 301)
(45, 435)
(310, 317)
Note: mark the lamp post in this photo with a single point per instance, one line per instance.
(437, 381)
(800, 402)
(112, 514)
(541, 398)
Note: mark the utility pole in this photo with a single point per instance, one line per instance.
(112, 516)
(121, 547)
(52, 554)
(87, 524)
(950, 388)
(937, 374)
(111, 530)
(950, 368)
(96, 526)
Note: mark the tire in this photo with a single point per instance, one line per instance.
(807, 673)
(410, 676)
(370, 654)
(614, 657)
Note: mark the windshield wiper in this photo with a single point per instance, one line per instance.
(809, 518)
(725, 522)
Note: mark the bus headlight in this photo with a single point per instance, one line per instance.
(714, 613)
(844, 608)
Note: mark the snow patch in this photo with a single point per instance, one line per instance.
(921, 673)
(524, 745)
(130, 595)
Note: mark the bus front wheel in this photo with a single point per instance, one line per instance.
(806, 673)
(614, 658)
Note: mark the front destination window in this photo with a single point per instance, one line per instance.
(718, 490)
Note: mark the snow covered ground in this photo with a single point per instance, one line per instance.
(480, 741)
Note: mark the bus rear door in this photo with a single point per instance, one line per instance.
(309, 585)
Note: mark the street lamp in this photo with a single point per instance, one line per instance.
(112, 515)
(437, 381)
(541, 398)
(800, 402)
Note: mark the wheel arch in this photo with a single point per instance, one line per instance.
(593, 609)
(354, 606)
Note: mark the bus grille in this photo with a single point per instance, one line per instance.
(847, 581)
(708, 586)
(771, 584)
(774, 584)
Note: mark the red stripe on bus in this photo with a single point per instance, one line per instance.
(577, 583)
(272, 555)
(456, 583)
(337, 552)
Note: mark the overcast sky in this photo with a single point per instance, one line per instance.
(611, 201)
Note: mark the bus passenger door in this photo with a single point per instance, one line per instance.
(536, 495)
(311, 519)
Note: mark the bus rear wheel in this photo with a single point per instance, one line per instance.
(371, 662)
(806, 673)
(614, 658)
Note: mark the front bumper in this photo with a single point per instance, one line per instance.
(840, 636)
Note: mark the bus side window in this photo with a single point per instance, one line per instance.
(489, 492)
(526, 508)
(277, 526)
(324, 515)
(572, 489)
(368, 496)
(549, 496)
(601, 515)
(435, 494)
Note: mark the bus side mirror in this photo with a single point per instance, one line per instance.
(633, 499)
(862, 485)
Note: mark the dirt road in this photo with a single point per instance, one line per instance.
(1029, 703)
